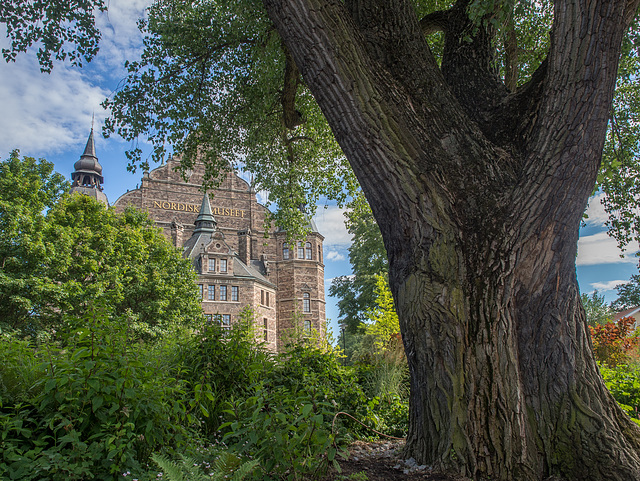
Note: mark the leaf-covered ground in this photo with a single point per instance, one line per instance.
(382, 461)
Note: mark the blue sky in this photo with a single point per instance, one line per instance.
(49, 115)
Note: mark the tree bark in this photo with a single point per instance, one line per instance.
(479, 193)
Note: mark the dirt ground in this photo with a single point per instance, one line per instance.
(381, 461)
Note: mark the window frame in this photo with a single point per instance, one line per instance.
(306, 303)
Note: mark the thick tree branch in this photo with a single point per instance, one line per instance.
(435, 22)
(469, 67)
(291, 117)
(393, 37)
(578, 89)
(511, 55)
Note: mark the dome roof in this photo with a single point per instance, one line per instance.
(88, 162)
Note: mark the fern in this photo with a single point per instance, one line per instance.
(186, 469)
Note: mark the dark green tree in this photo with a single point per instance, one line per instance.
(51, 26)
(476, 130)
(368, 259)
(628, 294)
(28, 187)
(597, 311)
(82, 254)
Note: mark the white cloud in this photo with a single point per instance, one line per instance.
(334, 256)
(607, 286)
(121, 39)
(44, 113)
(49, 113)
(595, 211)
(330, 222)
(601, 249)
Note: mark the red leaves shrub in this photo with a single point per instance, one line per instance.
(613, 341)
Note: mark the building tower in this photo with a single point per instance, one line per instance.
(87, 176)
(300, 279)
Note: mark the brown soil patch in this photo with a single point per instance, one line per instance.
(381, 461)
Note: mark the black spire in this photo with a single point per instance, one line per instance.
(205, 221)
(87, 176)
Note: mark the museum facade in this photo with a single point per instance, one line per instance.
(239, 261)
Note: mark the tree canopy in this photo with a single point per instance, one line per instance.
(628, 294)
(79, 255)
(368, 259)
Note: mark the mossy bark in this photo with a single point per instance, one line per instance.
(479, 193)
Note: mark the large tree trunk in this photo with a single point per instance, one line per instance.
(479, 194)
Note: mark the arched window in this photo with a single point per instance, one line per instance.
(307, 326)
(285, 250)
(307, 248)
(306, 302)
(319, 254)
(300, 250)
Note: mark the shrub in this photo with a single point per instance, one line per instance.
(289, 432)
(98, 408)
(623, 382)
(218, 365)
(612, 341)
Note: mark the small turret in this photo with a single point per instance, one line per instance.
(87, 176)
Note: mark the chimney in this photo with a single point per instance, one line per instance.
(177, 230)
(244, 245)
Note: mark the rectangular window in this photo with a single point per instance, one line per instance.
(223, 293)
(267, 303)
(208, 317)
(201, 287)
(307, 326)
(266, 330)
(226, 321)
(212, 265)
(306, 302)
(261, 297)
(223, 265)
(212, 293)
(234, 293)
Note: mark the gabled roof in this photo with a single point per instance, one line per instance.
(626, 313)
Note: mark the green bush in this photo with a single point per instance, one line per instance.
(623, 382)
(288, 432)
(97, 405)
(98, 408)
(218, 365)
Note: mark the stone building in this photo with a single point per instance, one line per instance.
(238, 259)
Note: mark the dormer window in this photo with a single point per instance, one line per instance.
(212, 265)
(223, 265)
